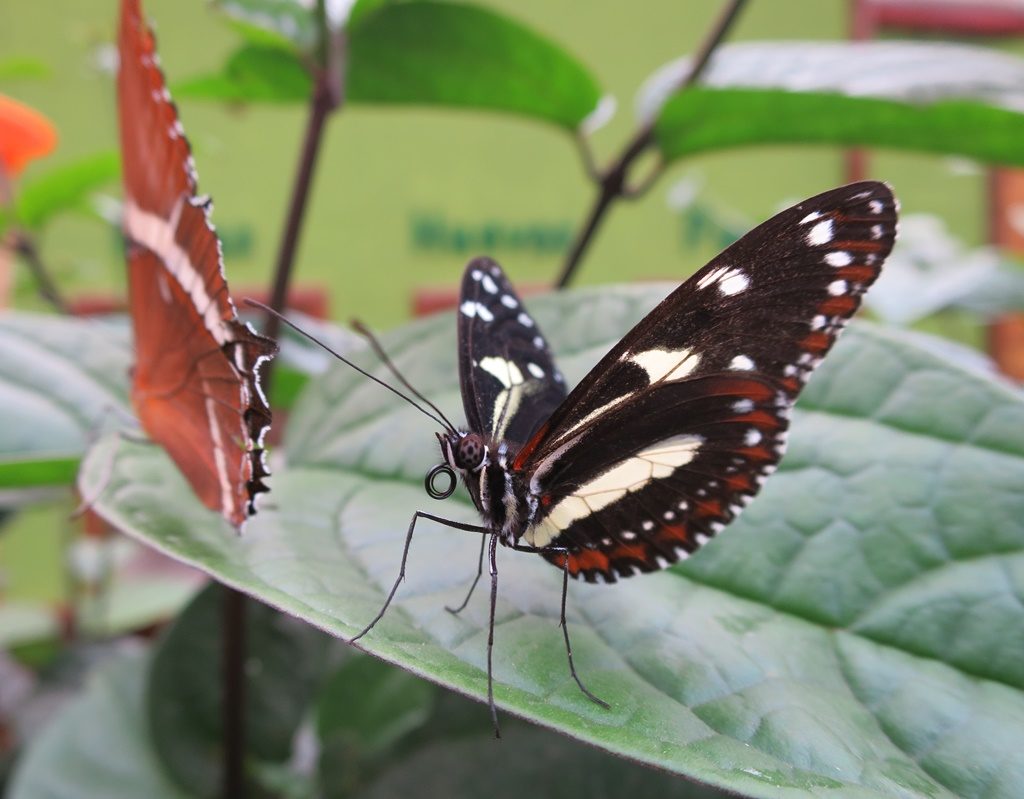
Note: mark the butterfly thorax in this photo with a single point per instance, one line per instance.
(501, 496)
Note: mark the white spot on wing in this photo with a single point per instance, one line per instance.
(164, 287)
(535, 370)
(506, 372)
(507, 402)
(524, 319)
(741, 363)
(813, 216)
(665, 364)
(711, 277)
(227, 498)
(733, 283)
(821, 233)
(508, 301)
(729, 280)
(838, 287)
(489, 285)
(471, 309)
(839, 258)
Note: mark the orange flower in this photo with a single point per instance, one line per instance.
(24, 134)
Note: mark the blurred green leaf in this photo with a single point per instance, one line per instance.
(372, 703)
(364, 8)
(364, 714)
(931, 271)
(700, 120)
(431, 53)
(24, 622)
(284, 664)
(64, 188)
(524, 758)
(280, 20)
(32, 472)
(98, 747)
(920, 96)
(858, 631)
(253, 73)
(24, 67)
(62, 381)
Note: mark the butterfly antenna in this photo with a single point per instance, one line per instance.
(441, 421)
(366, 333)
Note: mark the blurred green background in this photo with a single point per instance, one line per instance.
(409, 193)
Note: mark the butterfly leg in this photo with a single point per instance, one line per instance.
(473, 528)
(493, 568)
(479, 572)
(561, 621)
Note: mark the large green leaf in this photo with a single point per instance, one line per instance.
(99, 746)
(464, 56)
(858, 632)
(61, 382)
(424, 53)
(929, 97)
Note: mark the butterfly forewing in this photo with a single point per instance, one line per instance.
(196, 383)
(510, 381)
(675, 429)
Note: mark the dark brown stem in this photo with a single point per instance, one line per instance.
(328, 95)
(612, 183)
(45, 285)
(233, 680)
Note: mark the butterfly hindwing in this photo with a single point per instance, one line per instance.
(510, 381)
(675, 429)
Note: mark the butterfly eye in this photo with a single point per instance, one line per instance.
(430, 482)
(469, 452)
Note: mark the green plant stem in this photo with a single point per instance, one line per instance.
(45, 284)
(612, 182)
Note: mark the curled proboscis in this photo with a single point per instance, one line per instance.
(430, 482)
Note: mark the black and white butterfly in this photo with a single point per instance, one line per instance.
(666, 440)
